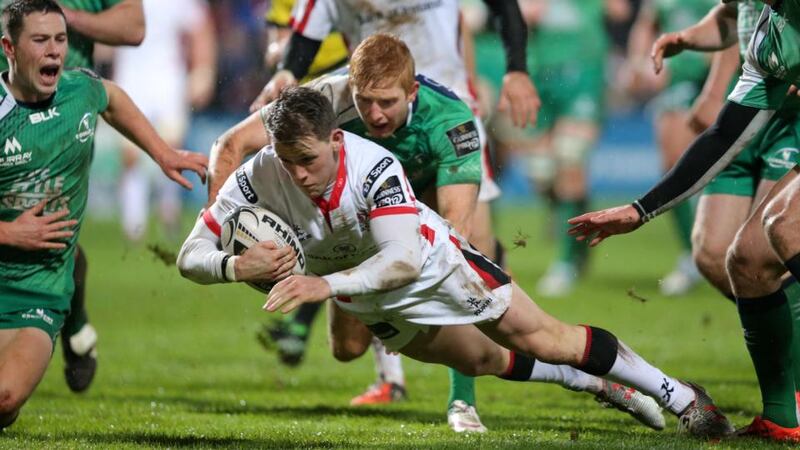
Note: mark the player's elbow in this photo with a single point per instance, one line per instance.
(188, 267)
(400, 273)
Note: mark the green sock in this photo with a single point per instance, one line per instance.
(767, 324)
(462, 388)
(570, 250)
(683, 215)
(77, 316)
(792, 291)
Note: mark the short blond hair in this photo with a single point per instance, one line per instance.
(381, 60)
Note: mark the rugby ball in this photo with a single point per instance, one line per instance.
(248, 225)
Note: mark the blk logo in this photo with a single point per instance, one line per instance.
(43, 116)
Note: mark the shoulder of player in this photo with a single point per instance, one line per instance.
(434, 109)
(363, 157)
(78, 77)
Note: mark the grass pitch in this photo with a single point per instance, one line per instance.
(180, 366)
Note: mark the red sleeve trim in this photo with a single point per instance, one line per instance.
(211, 223)
(300, 27)
(427, 232)
(392, 210)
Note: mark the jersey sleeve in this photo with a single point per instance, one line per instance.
(386, 189)
(313, 19)
(97, 92)
(237, 191)
(457, 147)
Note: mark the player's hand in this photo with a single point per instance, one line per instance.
(704, 112)
(599, 225)
(33, 230)
(264, 261)
(281, 80)
(667, 45)
(519, 95)
(175, 161)
(292, 292)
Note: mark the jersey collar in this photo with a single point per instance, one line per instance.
(326, 206)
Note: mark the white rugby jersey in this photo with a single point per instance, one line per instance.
(334, 233)
(456, 284)
(430, 29)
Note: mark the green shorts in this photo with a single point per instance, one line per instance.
(47, 320)
(772, 153)
(570, 91)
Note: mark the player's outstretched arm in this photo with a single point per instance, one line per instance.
(711, 152)
(125, 117)
(716, 31)
(122, 24)
(398, 263)
(34, 231)
(456, 203)
(227, 153)
(518, 95)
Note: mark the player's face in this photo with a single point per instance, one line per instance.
(38, 54)
(314, 167)
(383, 109)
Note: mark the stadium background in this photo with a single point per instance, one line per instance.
(180, 368)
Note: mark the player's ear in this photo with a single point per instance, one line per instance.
(8, 46)
(413, 94)
(337, 137)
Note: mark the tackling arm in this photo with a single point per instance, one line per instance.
(227, 153)
(456, 204)
(122, 24)
(398, 263)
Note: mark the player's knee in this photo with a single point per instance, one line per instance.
(346, 350)
(779, 222)
(482, 364)
(709, 256)
(741, 264)
(10, 403)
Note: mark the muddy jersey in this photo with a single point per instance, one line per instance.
(429, 28)
(335, 232)
(45, 155)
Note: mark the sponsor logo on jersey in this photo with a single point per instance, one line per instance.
(85, 129)
(390, 193)
(786, 159)
(344, 247)
(464, 138)
(398, 15)
(287, 238)
(31, 188)
(43, 116)
(13, 155)
(245, 186)
(37, 314)
(375, 173)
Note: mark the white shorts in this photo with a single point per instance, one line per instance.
(489, 190)
(458, 286)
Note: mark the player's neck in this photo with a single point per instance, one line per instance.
(22, 92)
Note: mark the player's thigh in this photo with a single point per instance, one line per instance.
(349, 338)
(528, 329)
(782, 206)
(462, 347)
(23, 362)
(716, 222)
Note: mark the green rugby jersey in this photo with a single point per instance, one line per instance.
(570, 30)
(439, 143)
(46, 153)
(676, 15)
(81, 47)
(772, 59)
(747, 15)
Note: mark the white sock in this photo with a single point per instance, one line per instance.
(629, 368)
(567, 376)
(389, 367)
(134, 192)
